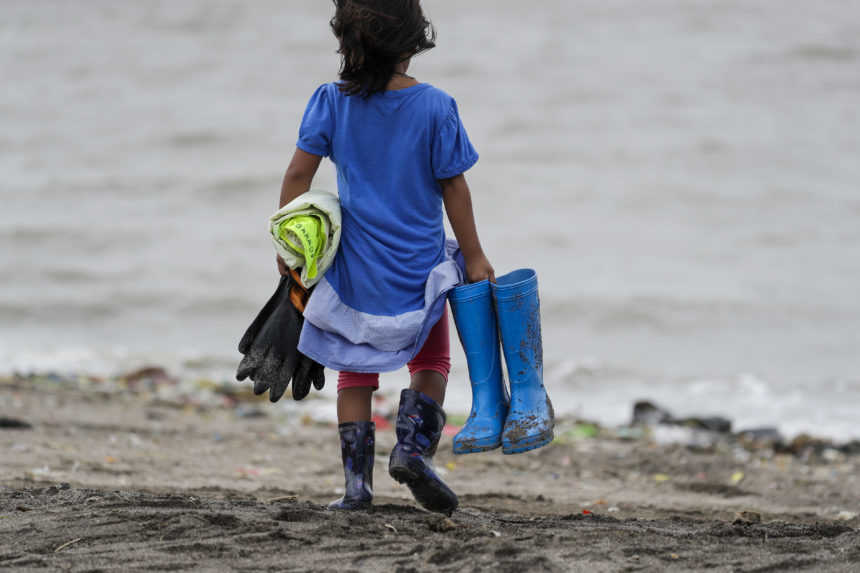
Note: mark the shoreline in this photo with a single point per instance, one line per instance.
(155, 384)
(160, 483)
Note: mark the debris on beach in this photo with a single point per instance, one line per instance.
(746, 517)
(649, 414)
(709, 433)
(665, 429)
(14, 424)
(441, 524)
(574, 430)
(154, 384)
(162, 391)
(148, 375)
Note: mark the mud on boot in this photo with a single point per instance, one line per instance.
(419, 426)
(530, 419)
(357, 440)
(475, 319)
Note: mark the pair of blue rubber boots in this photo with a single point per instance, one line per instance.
(485, 313)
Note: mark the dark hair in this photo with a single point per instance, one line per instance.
(374, 36)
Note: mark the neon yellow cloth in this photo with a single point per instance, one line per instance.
(307, 235)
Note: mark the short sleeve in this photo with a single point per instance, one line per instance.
(315, 132)
(452, 152)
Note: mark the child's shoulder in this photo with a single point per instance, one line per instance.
(437, 102)
(437, 95)
(326, 90)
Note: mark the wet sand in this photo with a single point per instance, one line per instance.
(129, 481)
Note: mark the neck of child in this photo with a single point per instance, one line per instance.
(400, 79)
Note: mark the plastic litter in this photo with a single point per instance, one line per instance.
(747, 517)
(381, 423)
(14, 424)
(449, 430)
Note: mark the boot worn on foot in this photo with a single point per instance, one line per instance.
(356, 449)
(475, 318)
(419, 426)
(530, 420)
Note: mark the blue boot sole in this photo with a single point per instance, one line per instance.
(528, 443)
(473, 446)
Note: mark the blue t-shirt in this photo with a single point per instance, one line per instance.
(390, 150)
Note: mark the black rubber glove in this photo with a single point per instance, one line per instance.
(270, 345)
(308, 372)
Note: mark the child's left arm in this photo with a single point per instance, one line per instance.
(297, 180)
(458, 205)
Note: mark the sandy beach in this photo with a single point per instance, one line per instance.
(98, 477)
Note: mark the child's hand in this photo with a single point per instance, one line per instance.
(282, 267)
(478, 268)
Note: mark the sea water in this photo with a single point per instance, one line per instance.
(684, 177)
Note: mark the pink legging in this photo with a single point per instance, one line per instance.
(435, 355)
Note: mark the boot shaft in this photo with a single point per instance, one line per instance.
(419, 422)
(475, 319)
(357, 448)
(518, 311)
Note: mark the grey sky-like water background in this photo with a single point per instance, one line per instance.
(683, 175)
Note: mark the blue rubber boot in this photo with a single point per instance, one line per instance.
(530, 419)
(419, 426)
(356, 450)
(475, 319)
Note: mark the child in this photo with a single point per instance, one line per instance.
(400, 151)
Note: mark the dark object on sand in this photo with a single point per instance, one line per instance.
(649, 414)
(851, 448)
(758, 438)
(151, 375)
(14, 424)
(270, 345)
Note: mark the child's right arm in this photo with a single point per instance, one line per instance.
(458, 205)
(297, 180)
(300, 173)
